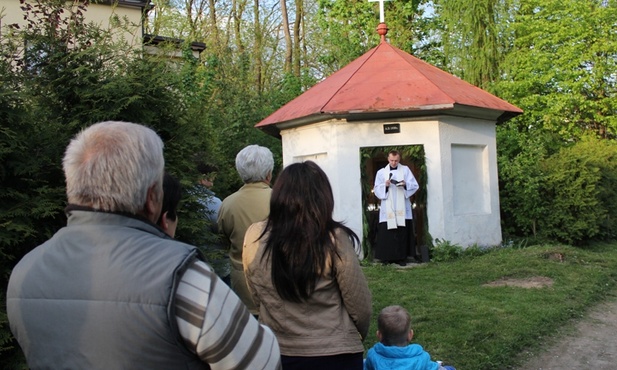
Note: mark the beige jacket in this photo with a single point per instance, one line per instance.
(238, 211)
(336, 317)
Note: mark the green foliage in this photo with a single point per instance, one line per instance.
(475, 251)
(444, 250)
(567, 195)
(520, 180)
(349, 30)
(70, 75)
(561, 67)
(472, 38)
(563, 82)
(232, 110)
(580, 183)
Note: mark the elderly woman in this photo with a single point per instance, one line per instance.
(303, 272)
(244, 207)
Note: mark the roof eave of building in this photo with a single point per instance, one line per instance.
(499, 116)
(149, 39)
(126, 3)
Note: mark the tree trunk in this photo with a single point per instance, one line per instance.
(258, 47)
(297, 28)
(236, 14)
(472, 38)
(214, 24)
(288, 40)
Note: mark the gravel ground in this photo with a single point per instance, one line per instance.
(590, 343)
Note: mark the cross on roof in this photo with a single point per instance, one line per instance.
(381, 18)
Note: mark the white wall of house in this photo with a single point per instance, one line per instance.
(461, 162)
(103, 15)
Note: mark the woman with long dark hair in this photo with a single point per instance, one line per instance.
(303, 272)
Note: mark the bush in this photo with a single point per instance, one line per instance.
(443, 251)
(70, 76)
(581, 183)
(552, 191)
(520, 180)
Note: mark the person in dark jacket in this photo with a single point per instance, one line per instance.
(172, 192)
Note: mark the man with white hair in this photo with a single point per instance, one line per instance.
(241, 209)
(111, 290)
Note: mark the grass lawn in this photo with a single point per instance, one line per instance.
(464, 323)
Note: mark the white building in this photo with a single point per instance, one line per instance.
(390, 98)
(124, 17)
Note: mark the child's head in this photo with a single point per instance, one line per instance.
(394, 326)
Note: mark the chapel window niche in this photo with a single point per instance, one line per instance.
(470, 179)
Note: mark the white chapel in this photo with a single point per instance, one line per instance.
(389, 98)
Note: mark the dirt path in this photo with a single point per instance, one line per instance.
(590, 344)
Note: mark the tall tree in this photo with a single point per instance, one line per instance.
(194, 14)
(472, 39)
(288, 39)
(298, 26)
(349, 29)
(562, 69)
(214, 22)
(237, 10)
(257, 51)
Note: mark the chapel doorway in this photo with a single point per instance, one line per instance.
(375, 158)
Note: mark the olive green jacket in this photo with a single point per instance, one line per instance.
(251, 203)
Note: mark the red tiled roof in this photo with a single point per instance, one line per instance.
(386, 79)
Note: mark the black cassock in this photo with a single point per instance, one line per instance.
(395, 244)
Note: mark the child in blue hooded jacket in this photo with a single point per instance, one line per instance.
(394, 351)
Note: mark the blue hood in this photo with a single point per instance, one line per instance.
(411, 357)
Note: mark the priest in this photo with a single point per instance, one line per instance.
(394, 185)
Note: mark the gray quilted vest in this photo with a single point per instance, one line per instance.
(98, 295)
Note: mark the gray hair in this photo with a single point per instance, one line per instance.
(110, 165)
(254, 163)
